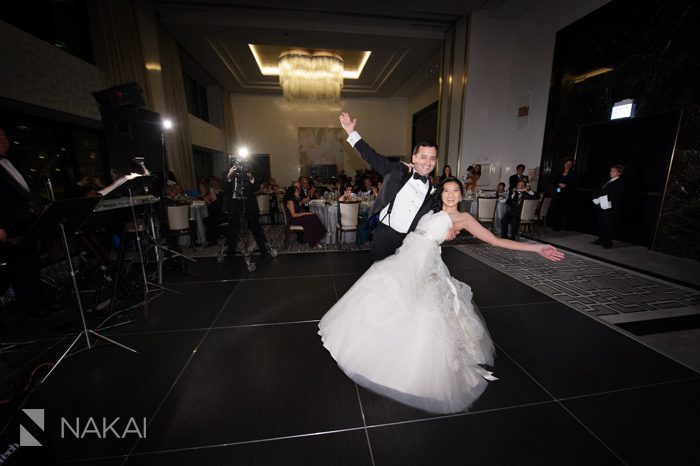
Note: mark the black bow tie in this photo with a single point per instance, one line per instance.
(416, 176)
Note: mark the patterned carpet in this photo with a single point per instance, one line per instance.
(591, 286)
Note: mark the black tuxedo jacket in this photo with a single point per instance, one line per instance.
(248, 190)
(513, 181)
(613, 190)
(516, 203)
(18, 208)
(395, 175)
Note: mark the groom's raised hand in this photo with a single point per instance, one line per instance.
(347, 123)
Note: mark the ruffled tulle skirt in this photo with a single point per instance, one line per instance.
(409, 331)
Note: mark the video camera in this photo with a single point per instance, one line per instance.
(240, 174)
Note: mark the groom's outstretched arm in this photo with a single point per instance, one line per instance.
(378, 162)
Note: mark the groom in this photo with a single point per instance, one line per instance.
(404, 197)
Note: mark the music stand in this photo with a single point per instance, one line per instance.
(59, 217)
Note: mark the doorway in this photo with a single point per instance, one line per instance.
(644, 145)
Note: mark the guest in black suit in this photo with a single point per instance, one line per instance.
(608, 200)
(519, 176)
(307, 193)
(404, 196)
(514, 206)
(19, 207)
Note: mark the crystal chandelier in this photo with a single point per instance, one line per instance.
(310, 77)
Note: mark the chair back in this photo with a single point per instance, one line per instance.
(179, 217)
(485, 209)
(527, 214)
(263, 203)
(349, 214)
(544, 208)
(285, 214)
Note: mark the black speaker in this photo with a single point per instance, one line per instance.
(133, 132)
(123, 95)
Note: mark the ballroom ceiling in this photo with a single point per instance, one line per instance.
(404, 38)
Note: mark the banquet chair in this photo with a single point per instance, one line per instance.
(288, 229)
(348, 218)
(486, 210)
(264, 206)
(541, 213)
(527, 214)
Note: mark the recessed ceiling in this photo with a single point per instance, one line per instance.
(404, 38)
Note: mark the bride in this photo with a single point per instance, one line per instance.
(407, 329)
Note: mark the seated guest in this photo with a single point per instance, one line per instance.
(215, 202)
(87, 186)
(347, 195)
(501, 188)
(314, 231)
(202, 186)
(306, 193)
(514, 207)
(18, 210)
(367, 189)
(519, 176)
(174, 192)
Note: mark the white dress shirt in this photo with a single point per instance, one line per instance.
(9, 168)
(408, 200)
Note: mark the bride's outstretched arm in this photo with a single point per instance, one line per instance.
(462, 220)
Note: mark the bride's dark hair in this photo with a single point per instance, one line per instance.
(437, 197)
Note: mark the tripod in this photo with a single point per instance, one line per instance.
(69, 215)
(239, 217)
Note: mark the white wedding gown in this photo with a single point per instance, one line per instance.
(409, 331)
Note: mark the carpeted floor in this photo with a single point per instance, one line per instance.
(275, 236)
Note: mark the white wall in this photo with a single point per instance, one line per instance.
(267, 124)
(36, 72)
(206, 135)
(510, 64)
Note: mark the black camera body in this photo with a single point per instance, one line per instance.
(240, 176)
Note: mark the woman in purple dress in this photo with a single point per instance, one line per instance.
(314, 231)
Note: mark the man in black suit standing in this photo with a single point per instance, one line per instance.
(514, 207)
(404, 196)
(608, 204)
(19, 207)
(519, 176)
(240, 189)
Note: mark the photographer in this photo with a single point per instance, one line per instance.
(240, 189)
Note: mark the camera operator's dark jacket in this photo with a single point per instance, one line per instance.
(248, 191)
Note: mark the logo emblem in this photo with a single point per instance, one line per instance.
(26, 439)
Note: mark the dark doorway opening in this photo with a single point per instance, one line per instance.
(260, 166)
(644, 145)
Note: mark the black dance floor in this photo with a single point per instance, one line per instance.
(231, 371)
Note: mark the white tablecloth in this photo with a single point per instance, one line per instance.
(329, 217)
(198, 212)
(498, 216)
